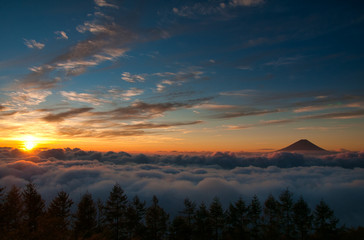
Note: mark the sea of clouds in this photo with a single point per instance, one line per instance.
(338, 178)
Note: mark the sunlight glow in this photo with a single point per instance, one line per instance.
(29, 142)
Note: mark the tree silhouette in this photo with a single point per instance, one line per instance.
(286, 210)
(85, 218)
(325, 222)
(216, 218)
(115, 209)
(12, 213)
(179, 229)
(202, 220)
(188, 217)
(156, 221)
(135, 213)
(302, 218)
(254, 211)
(23, 218)
(236, 218)
(2, 210)
(272, 218)
(100, 215)
(33, 209)
(58, 216)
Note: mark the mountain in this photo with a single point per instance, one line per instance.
(302, 145)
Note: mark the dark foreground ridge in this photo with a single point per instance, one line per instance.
(24, 215)
(302, 145)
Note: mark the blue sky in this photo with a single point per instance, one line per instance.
(182, 75)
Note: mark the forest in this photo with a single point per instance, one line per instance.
(24, 215)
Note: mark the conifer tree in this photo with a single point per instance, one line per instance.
(188, 216)
(135, 213)
(179, 229)
(2, 217)
(33, 208)
(202, 220)
(58, 217)
(254, 212)
(236, 217)
(302, 218)
(216, 218)
(115, 209)
(271, 218)
(12, 212)
(100, 215)
(325, 222)
(156, 220)
(85, 217)
(286, 212)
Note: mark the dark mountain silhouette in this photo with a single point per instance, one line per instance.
(302, 145)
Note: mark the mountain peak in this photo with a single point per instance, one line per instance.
(302, 145)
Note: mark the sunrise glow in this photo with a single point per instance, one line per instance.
(195, 98)
(29, 142)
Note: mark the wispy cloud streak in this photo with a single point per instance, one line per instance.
(33, 44)
(59, 117)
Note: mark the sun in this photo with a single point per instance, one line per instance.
(29, 142)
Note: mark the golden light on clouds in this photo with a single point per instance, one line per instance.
(29, 142)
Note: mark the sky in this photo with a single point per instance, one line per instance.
(147, 76)
(184, 99)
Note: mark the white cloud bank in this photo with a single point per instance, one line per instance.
(336, 178)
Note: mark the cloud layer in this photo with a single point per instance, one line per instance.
(174, 176)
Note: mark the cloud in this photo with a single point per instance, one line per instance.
(104, 3)
(215, 106)
(321, 128)
(59, 117)
(160, 87)
(29, 98)
(240, 93)
(298, 104)
(83, 97)
(181, 76)
(160, 125)
(107, 128)
(106, 39)
(117, 122)
(98, 133)
(309, 109)
(178, 78)
(78, 66)
(95, 28)
(107, 42)
(212, 8)
(246, 3)
(143, 110)
(33, 44)
(334, 115)
(2, 108)
(199, 176)
(126, 76)
(337, 115)
(301, 100)
(61, 35)
(283, 61)
(131, 93)
(124, 94)
(198, 9)
(261, 124)
(245, 113)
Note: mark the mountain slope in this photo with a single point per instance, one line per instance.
(302, 145)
